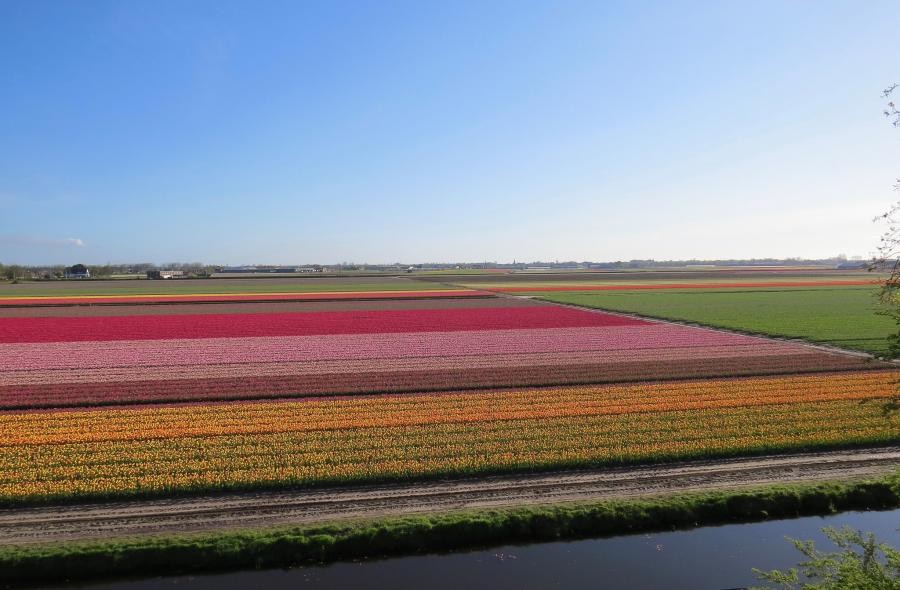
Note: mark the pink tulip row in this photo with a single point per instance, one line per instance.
(78, 355)
(420, 379)
(262, 369)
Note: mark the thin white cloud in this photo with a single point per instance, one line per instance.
(28, 240)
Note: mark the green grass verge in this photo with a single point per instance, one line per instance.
(844, 316)
(403, 536)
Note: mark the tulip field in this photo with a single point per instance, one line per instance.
(833, 308)
(113, 397)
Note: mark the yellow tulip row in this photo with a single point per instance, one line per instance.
(269, 417)
(149, 465)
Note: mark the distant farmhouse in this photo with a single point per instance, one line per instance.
(165, 274)
(77, 271)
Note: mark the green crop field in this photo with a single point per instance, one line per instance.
(843, 316)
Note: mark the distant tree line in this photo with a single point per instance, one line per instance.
(200, 269)
(18, 272)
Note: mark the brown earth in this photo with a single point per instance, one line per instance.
(105, 521)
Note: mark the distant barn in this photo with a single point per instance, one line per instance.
(78, 271)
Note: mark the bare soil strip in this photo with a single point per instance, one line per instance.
(105, 521)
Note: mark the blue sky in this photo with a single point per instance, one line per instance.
(291, 132)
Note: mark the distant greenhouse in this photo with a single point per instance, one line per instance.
(262, 269)
(165, 274)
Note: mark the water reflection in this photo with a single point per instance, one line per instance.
(710, 557)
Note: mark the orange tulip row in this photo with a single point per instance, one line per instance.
(198, 447)
(328, 414)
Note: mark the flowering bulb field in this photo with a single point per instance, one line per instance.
(308, 324)
(123, 399)
(239, 445)
(59, 362)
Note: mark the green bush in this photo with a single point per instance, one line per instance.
(861, 563)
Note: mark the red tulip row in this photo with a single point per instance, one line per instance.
(181, 326)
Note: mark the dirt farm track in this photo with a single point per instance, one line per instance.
(316, 506)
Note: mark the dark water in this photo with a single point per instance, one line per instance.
(709, 557)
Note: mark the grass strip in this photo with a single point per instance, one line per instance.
(281, 547)
(845, 317)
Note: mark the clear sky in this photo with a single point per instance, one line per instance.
(296, 132)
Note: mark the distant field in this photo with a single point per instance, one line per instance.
(654, 281)
(521, 279)
(841, 316)
(174, 291)
(213, 286)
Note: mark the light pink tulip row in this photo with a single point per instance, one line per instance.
(142, 373)
(78, 355)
